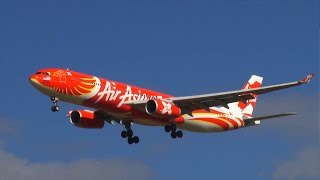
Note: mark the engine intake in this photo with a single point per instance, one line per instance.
(160, 108)
(86, 119)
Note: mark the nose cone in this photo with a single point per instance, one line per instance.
(37, 82)
(33, 80)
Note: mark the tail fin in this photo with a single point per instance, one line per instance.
(241, 109)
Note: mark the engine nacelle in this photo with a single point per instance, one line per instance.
(86, 119)
(160, 108)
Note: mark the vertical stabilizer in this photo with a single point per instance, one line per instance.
(240, 109)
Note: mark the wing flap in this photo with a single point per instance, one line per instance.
(193, 104)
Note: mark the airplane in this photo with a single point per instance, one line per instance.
(115, 102)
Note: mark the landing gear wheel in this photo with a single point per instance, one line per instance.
(54, 99)
(136, 139)
(124, 134)
(55, 108)
(179, 134)
(128, 133)
(173, 134)
(167, 128)
(130, 140)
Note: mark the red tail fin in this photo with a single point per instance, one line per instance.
(245, 109)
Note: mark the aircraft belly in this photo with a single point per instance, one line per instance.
(200, 126)
(210, 122)
(149, 122)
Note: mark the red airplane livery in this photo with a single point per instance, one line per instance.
(115, 102)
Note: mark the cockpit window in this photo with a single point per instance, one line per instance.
(44, 73)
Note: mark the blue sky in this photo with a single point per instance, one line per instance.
(178, 47)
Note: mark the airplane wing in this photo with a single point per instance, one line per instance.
(222, 99)
(204, 101)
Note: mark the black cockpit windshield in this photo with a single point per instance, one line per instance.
(44, 73)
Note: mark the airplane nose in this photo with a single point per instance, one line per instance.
(33, 79)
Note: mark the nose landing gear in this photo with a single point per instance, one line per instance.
(55, 106)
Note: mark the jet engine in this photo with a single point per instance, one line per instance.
(161, 108)
(86, 119)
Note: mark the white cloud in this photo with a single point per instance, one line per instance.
(12, 167)
(305, 165)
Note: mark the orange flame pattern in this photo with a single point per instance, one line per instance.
(76, 85)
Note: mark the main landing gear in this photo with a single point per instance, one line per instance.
(173, 129)
(55, 106)
(129, 134)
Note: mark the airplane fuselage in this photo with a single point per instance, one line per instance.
(112, 98)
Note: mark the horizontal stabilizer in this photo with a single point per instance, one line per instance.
(251, 120)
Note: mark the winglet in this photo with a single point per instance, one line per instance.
(307, 79)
